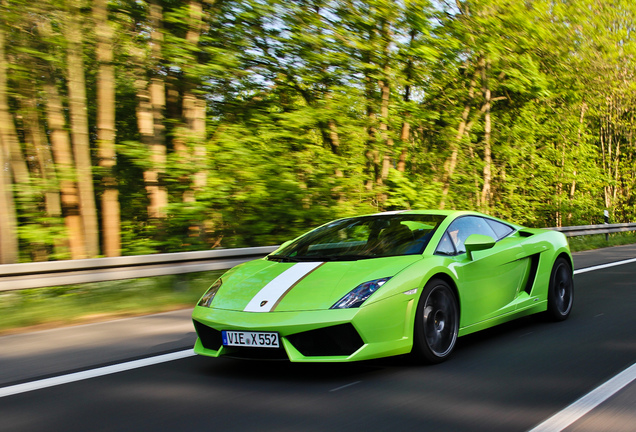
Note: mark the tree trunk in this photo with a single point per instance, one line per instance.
(43, 168)
(36, 138)
(384, 129)
(578, 144)
(79, 130)
(486, 190)
(385, 96)
(159, 198)
(151, 103)
(111, 230)
(405, 132)
(145, 125)
(10, 141)
(8, 218)
(334, 138)
(371, 152)
(451, 163)
(193, 106)
(62, 153)
(405, 135)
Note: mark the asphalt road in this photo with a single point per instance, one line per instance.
(509, 378)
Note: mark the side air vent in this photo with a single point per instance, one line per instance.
(524, 233)
(534, 266)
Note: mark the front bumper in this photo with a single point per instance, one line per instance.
(380, 329)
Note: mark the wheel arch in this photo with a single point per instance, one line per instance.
(444, 334)
(567, 257)
(560, 296)
(451, 282)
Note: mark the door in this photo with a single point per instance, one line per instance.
(490, 282)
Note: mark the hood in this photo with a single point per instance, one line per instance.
(268, 286)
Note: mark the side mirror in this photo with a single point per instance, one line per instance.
(477, 242)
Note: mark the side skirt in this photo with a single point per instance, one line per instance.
(530, 310)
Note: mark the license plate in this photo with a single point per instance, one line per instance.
(250, 339)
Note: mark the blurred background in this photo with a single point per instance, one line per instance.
(136, 127)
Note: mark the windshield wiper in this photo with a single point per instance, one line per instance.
(279, 258)
(346, 257)
(287, 258)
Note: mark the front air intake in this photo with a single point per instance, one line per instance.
(210, 338)
(339, 340)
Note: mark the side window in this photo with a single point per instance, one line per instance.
(460, 229)
(445, 246)
(501, 229)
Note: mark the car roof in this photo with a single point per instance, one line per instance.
(435, 212)
(454, 213)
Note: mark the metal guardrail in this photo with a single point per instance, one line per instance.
(583, 230)
(58, 273)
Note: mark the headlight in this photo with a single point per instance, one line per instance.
(209, 295)
(359, 294)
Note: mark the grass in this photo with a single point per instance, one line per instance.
(598, 241)
(74, 304)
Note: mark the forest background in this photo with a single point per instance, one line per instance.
(134, 127)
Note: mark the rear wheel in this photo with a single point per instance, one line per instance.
(436, 322)
(560, 291)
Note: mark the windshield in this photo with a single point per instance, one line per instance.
(362, 238)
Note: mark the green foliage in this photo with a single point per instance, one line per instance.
(320, 109)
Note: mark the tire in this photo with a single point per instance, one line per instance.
(560, 291)
(436, 322)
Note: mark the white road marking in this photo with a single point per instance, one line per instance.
(93, 373)
(271, 293)
(587, 403)
(345, 386)
(135, 364)
(604, 266)
(578, 409)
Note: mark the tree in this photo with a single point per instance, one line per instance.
(79, 127)
(106, 129)
(8, 220)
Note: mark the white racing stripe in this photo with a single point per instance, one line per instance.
(271, 294)
(93, 373)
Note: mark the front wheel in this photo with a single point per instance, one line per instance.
(436, 322)
(560, 290)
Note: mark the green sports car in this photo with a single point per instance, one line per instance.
(385, 284)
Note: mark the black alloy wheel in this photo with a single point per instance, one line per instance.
(560, 290)
(436, 322)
